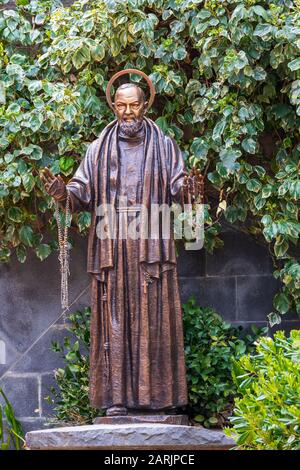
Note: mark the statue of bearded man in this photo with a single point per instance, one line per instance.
(137, 351)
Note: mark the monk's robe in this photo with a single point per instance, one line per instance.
(137, 350)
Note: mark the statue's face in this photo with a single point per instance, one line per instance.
(129, 105)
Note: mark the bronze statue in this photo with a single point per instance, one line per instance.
(137, 350)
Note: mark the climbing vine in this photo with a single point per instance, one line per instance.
(227, 75)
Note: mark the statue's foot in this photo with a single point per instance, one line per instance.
(116, 411)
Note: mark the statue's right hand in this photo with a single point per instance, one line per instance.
(54, 185)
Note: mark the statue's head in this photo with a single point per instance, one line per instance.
(129, 106)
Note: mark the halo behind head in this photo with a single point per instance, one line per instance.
(127, 71)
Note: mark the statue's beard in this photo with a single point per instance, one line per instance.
(130, 129)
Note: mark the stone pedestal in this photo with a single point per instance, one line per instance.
(146, 436)
(138, 419)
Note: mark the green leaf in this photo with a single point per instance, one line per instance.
(280, 247)
(229, 157)
(219, 129)
(13, 108)
(34, 86)
(26, 235)
(294, 64)
(274, 319)
(145, 50)
(267, 190)
(21, 253)
(98, 53)
(4, 254)
(281, 303)
(115, 47)
(199, 418)
(253, 185)
(28, 182)
(241, 60)
(179, 53)
(40, 18)
(259, 74)
(66, 164)
(15, 214)
(162, 123)
(33, 151)
(243, 113)
(200, 148)
(249, 145)
(99, 79)
(259, 201)
(2, 94)
(238, 13)
(260, 11)
(84, 220)
(263, 29)
(213, 420)
(81, 57)
(43, 251)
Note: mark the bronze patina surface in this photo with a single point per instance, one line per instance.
(137, 350)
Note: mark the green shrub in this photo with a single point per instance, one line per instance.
(11, 432)
(70, 397)
(227, 79)
(210, 346)
(267, 413)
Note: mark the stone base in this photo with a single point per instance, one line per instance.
(128, 437)
(134, 419)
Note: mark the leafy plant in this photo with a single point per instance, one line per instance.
(227, 76)
(12, 427)
(211, 344)
(71, 398)
(267, 411)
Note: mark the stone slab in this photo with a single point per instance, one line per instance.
(131, 437)
(179, 420)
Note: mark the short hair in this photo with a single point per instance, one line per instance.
(130, 85)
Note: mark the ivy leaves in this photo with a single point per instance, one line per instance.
(227, 89)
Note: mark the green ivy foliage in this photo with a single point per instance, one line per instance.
(267, 413)
(227, 75)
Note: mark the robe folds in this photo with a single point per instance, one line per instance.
(137, 350)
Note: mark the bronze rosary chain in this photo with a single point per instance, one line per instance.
(63, 251)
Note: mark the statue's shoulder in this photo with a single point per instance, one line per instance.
(169, 142)
(92, 150)
(95, 145)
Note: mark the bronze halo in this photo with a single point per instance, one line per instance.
(123, 72)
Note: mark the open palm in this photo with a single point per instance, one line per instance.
(54, 185)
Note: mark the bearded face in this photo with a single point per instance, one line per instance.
(129, 108)
(131, 128)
